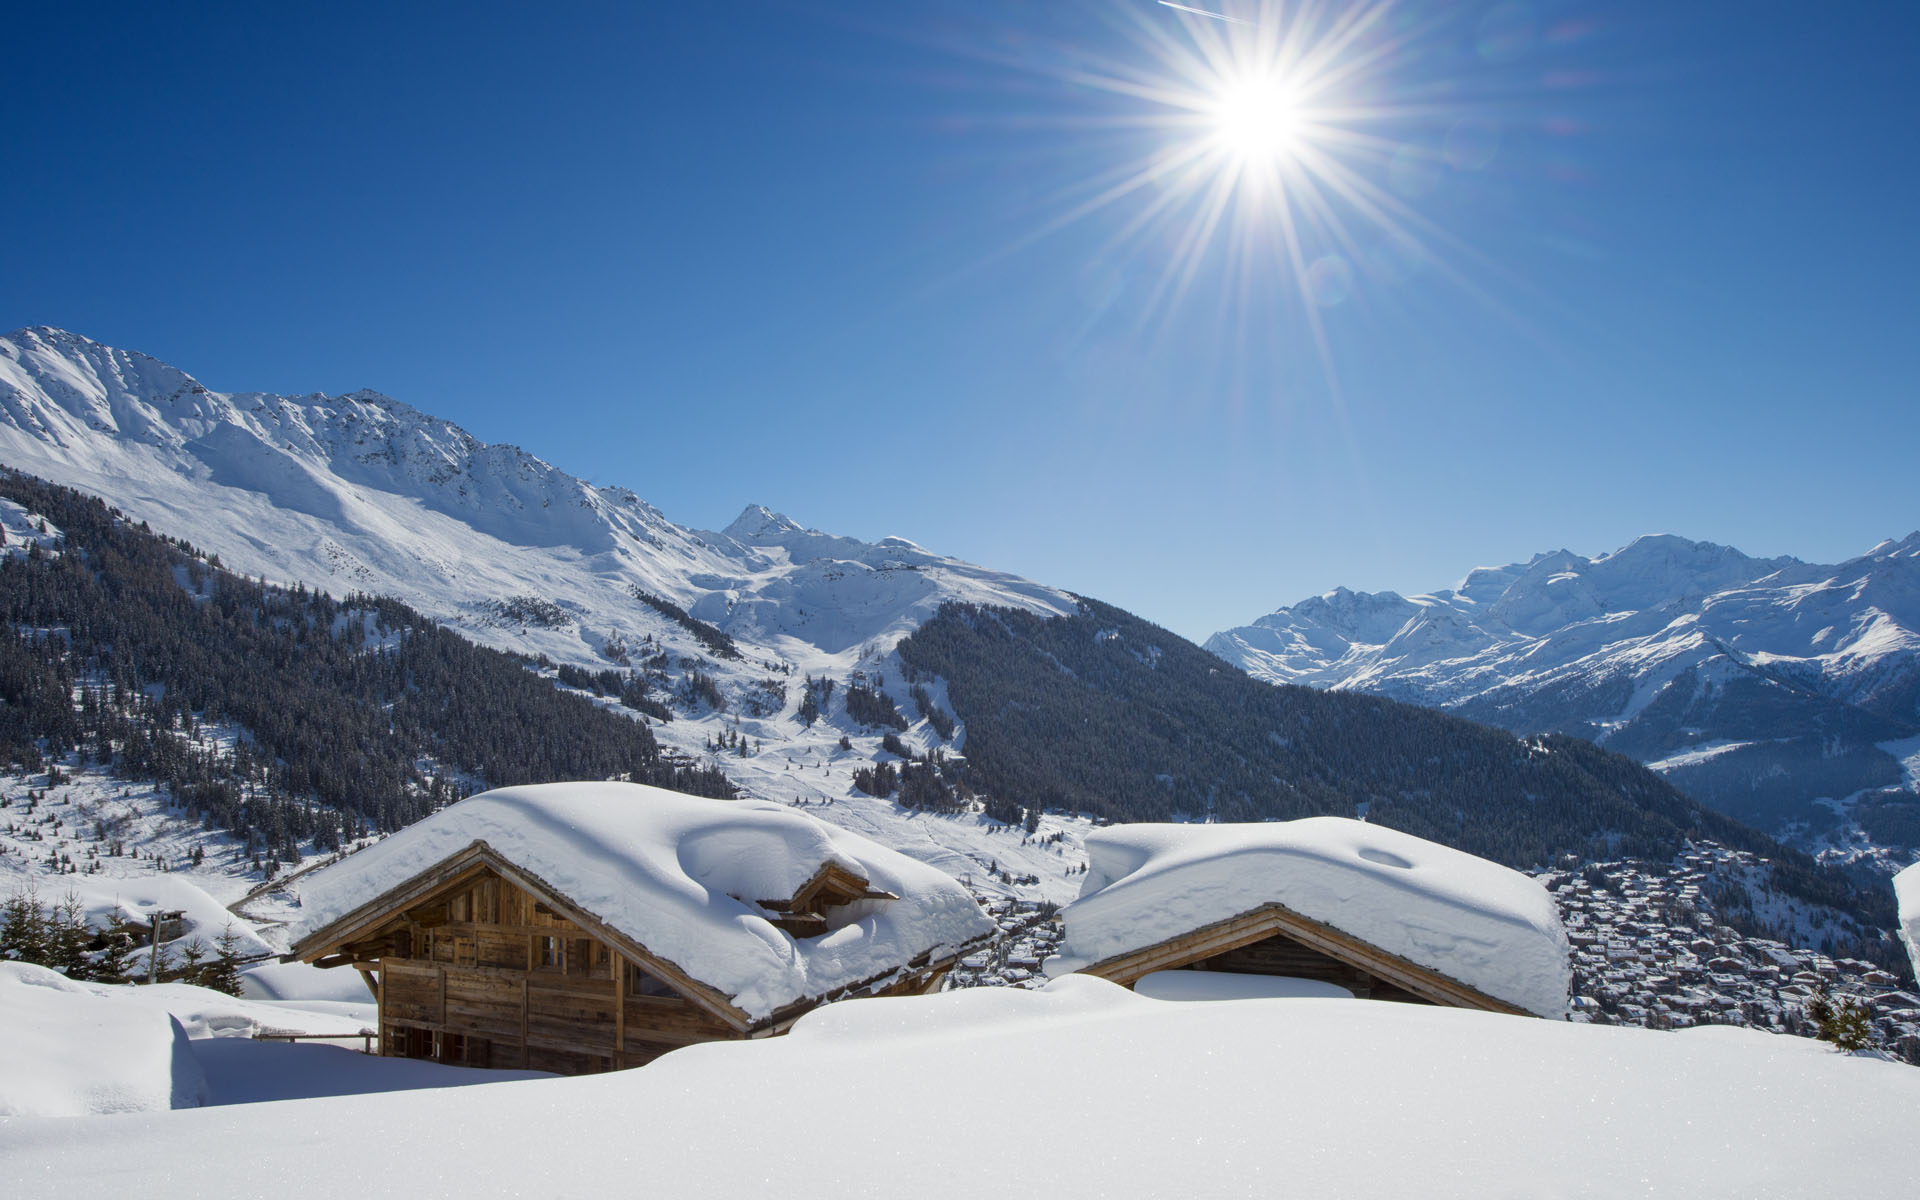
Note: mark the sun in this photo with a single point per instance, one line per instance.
(1263, 146)
(1257, 119)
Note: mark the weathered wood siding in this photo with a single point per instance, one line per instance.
(1282, 955)
(492, 977)
(1274, 939)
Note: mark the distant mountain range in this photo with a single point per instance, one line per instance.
(809, 667)
(1761, 686)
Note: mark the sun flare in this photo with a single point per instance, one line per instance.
(1257, 120)
(1271, 149)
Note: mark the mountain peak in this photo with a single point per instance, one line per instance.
(757, 521)
(1906, 547)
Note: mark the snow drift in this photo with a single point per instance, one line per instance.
(71, 1050)
(1137, 1097)
(1906, 891)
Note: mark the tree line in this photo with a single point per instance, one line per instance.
(1104, 713)
(124, 647)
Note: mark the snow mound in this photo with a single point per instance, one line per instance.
(1471, 920)
(682, 876)
(294, 982)
(71, 1051)
(1139, 1098)
(1906, 891)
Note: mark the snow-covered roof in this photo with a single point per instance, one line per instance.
(1468, 919)
(681, 876)
(1906, 892)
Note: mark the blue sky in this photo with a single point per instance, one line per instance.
(1647, 268)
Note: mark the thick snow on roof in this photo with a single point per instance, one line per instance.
(1906, 891)
(1471, 920)
(1138, 1097)
(681, 875)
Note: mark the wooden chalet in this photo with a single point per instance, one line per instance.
(478, 958)
(1379, 913)
(1274, 940)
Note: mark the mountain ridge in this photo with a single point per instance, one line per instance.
(775, 652)
(1737, 676)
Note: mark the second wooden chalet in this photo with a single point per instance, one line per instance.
(1378, 913)
(591, 926)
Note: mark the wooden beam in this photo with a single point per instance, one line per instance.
(477, 858)
(619, 1008)
(1269, 919)
(456, 869)
(696, 991)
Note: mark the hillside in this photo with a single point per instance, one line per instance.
(359, 715)
(1105, 713)
(768, 653)
(363, 493)
(1759, 686)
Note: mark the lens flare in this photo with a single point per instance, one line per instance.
(1300, 155)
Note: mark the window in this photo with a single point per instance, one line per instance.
(640, 983)
(579, 955)
(547, 954)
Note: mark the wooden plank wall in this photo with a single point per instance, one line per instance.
(1282, 955)
(477, 991)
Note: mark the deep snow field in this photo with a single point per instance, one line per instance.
(1080, 1089)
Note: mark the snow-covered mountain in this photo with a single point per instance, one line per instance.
(1757, 684)
(363, 492)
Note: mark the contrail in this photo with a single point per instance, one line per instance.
(1201, 12)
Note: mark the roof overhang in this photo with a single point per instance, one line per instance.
(1268, 919)
(370, 921)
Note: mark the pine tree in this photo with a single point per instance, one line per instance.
(23, 927)
(110, 966)
(192, 959)
(223, 973)
(1846, 1022)
(68, 935)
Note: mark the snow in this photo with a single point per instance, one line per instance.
(78, 1049)
(298, 982)
(360, 493)
(1645, 613)
(1137, 1098)
(205, 1013)
(71, 1051)
(1471, 920)
(1907, 753)
(1906, 890)
(242, 1071)
(1693, 756)
(681, 875)
(1226, 985)
(138, 897)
